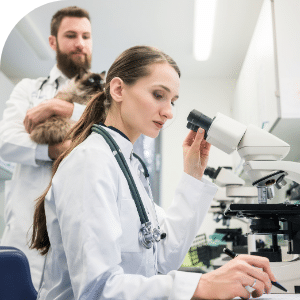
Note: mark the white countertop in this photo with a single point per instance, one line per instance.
(278, 296)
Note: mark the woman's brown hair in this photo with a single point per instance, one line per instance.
(130, 66)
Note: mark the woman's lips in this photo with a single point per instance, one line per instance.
(158, 124)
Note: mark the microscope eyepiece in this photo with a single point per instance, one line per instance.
(196, 119)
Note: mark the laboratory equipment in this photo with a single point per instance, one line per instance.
(263, 155)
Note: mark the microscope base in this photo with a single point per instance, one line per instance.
(288, 275)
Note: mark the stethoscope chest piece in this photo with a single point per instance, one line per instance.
(147, 236)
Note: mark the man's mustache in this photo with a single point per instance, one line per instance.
(78, 52)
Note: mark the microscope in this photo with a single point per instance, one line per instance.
(231, 189)
(262, 153)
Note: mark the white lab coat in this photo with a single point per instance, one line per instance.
(33, 166)
(93, 227)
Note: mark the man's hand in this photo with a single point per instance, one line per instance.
(45, 110)
(54, 151)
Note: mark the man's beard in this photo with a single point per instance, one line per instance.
(69, 66)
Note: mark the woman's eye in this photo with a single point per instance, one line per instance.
(173, 103)
(157, 95)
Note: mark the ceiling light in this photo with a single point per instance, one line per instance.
(204, 19)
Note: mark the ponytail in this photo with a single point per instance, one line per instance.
(94, 112)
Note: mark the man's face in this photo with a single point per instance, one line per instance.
(73, 45)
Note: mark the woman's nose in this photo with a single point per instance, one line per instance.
(168, 110)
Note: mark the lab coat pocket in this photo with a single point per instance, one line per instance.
(130, 223)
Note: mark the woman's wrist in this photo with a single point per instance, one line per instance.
(193, 173)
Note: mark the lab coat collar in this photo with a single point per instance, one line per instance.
(125, 145)
(56, 73)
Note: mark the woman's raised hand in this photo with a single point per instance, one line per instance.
(195, 153)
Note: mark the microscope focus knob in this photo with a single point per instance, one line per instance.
(280, 182)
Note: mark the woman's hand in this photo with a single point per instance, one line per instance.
(230, 280)
(195, 153)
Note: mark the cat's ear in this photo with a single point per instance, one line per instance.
(102, 74)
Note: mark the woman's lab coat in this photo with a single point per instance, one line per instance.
(93, 226)
(32, 173)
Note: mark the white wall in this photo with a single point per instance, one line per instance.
(287, 25)
(208, 97)
(255, 101)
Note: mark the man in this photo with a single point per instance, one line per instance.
(31, 103)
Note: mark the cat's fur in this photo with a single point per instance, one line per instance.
(80, 90)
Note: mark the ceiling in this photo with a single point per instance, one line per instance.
(119, 24)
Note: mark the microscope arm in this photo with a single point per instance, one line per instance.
(259, 169)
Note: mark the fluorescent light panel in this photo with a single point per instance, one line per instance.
(204, 19)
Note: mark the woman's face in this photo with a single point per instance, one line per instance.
(147, 104)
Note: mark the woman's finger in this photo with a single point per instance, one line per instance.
(259, 262)
(205, 147)
(253, 285)
(198, 139)
(188, 141)
(261, 276)
(258, 272)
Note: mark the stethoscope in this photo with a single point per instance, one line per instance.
(43, 83)
(147, 236)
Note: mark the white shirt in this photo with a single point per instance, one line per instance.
(93, 226)
(32, 173)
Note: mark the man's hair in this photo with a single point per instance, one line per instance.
(71, 11)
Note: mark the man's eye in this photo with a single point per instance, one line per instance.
(71, 36)
(86, 37)
(173, 103)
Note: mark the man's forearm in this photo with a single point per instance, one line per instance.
(45, 110)
(61, 108)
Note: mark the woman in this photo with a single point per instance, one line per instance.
(92, 232)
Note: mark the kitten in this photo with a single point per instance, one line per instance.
(80, 90)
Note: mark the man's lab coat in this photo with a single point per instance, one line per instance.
(32, 173)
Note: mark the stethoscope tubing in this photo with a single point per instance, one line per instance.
(42, 85)
(125, 169)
